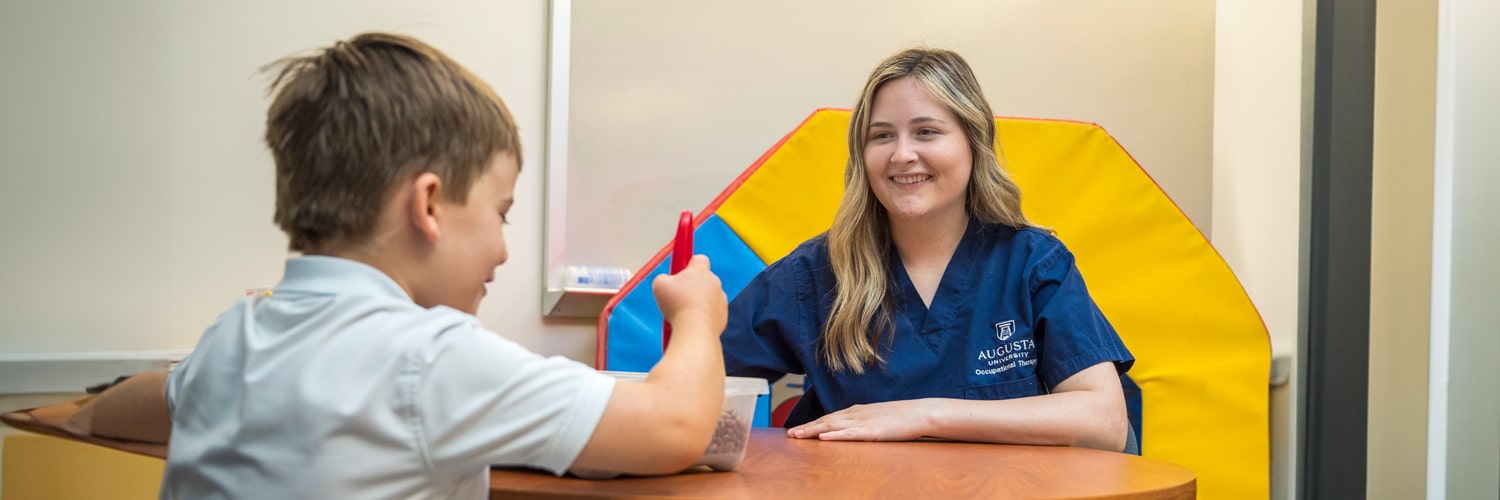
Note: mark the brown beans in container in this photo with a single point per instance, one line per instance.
(730, 435)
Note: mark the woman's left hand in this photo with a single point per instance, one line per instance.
(888, 421)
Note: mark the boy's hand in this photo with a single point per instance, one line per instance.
(681, 397)
(693, 292)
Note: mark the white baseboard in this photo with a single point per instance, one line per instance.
(74, 371)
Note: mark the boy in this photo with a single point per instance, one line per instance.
(365, 373)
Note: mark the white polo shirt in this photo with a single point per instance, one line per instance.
(339, 386)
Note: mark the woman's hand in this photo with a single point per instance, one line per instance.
(888, 421)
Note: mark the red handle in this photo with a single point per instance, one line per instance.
(682, 252)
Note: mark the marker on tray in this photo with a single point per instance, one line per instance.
(682, 252)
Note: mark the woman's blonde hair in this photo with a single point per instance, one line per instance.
(859, 240)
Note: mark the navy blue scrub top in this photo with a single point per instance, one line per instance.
(1011, 318)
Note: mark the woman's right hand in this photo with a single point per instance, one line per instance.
(694, 293)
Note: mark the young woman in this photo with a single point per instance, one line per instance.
(932, 307)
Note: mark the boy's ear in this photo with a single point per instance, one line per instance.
(424, 208)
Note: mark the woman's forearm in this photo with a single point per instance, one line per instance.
(1087, 409)
(1077, 418)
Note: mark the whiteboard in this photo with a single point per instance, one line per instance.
(667, 101)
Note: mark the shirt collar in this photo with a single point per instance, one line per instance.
(336, 275)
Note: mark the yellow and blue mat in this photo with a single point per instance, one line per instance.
(1203, 354)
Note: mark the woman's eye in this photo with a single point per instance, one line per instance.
(880, 135)
(927, 131)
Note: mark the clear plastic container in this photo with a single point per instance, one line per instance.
(727, 448)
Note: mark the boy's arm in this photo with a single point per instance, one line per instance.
(135, 409)
(663, 425)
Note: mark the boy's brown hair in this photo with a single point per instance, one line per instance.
(351, 121)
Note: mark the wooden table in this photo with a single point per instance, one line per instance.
(779, 467)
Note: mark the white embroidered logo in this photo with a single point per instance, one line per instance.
(1004, 329)
(1009, 354)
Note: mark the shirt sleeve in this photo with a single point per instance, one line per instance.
(178, 371)
(481, 399)
(1072, 332)
(763, 319)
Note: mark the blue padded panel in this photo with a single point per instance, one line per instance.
(635, 323)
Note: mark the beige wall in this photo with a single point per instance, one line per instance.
(1401, 246)
(139, 194)
(1259, 65)
(1261, 59)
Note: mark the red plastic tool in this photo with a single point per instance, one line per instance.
(682, 252)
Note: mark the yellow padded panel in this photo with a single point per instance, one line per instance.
(795, 190)
(1203, 354)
